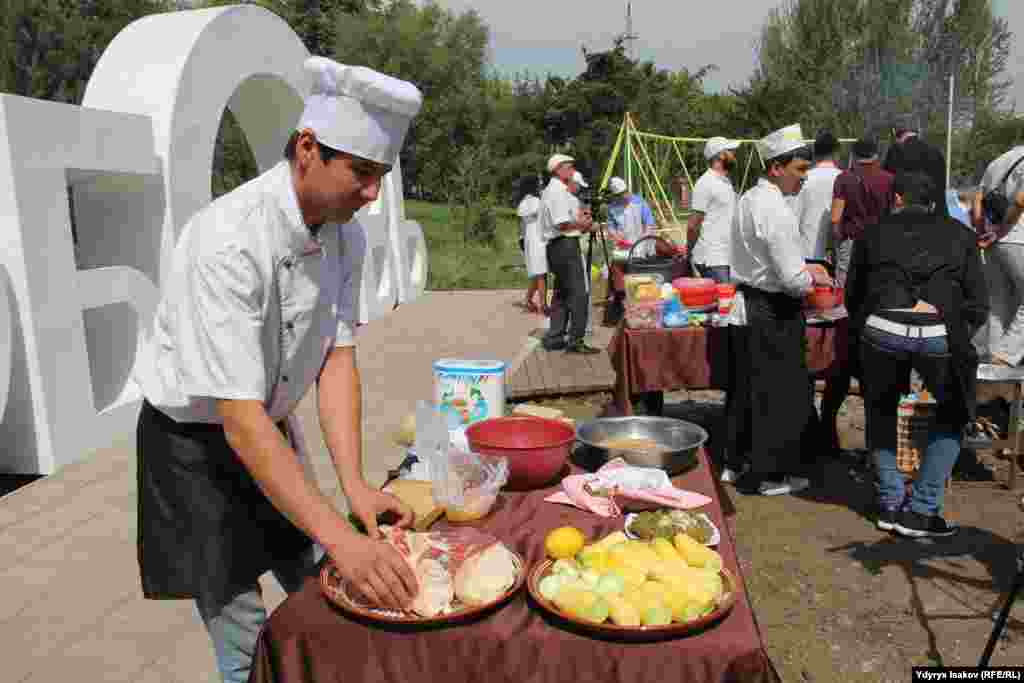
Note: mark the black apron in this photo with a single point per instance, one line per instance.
(205, 529)
(770, 417)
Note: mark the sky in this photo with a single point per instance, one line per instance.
(544, 36)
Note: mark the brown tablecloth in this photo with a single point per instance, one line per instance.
(307, 639)
(670, 359)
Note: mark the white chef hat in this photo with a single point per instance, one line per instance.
(782, 141)
(616, 185)
(578, 178)
(358, 110)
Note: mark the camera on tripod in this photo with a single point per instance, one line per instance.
(594, 201)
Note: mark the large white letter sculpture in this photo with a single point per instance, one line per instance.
(137, 158)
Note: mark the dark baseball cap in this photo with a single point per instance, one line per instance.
(865, 148)
(825, 144)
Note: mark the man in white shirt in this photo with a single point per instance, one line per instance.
(813, 206)
(1003, 337)
(259, 306)
(713, 204)
(563, 224)
(770, 411)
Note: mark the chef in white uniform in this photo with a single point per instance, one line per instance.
(770, 414)
(257, 308)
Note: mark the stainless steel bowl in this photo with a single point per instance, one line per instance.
(678, 440)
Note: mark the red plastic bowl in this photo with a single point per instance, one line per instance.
(537, 448)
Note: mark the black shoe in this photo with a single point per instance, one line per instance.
(886, 519)
(581, 347)
(749, 483)
(553, 344)
(914, 525)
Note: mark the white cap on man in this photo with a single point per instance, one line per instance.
(617, 185)
(717, 145)
(780, 142)
(578, 178)
(557, 160)
(358, 110)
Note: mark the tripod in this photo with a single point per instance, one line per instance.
(590, 260)
(1004, 614)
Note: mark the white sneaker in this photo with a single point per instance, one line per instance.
(729, 475)
(785, 487)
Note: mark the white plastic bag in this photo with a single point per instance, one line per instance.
(466, 484)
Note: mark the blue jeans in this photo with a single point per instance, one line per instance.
(235, 626)
(720, 274)
(886, 363)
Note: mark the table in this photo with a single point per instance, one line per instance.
(307, 639)
(669, 359)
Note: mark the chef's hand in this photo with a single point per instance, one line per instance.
(367, 503)
(376, 571)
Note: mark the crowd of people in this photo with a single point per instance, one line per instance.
(903, 253)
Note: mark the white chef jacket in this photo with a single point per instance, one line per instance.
(813, 209)
(714, 196)
(251, 307)
(994, 174)
(558, 206)
(767, 251)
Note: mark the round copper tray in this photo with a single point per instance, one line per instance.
(333, 589)
(607, 629)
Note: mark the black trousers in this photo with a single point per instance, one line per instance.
(771, 422)
(570, 301)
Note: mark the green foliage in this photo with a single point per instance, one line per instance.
(457, 264)
(445, 56)
(233, 161)
(858, 65)
(49, 48)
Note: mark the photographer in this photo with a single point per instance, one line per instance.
(1005, 242)
(562, 224)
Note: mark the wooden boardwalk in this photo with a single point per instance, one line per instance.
(551, 373)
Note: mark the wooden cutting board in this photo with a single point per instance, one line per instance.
(419, 495)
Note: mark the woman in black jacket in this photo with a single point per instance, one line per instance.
(916, 295)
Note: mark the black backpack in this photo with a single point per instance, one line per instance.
(995, 203)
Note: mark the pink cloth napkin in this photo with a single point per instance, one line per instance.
(574, 493)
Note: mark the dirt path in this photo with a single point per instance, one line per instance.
(835, 598)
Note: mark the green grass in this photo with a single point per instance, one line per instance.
(456, 264)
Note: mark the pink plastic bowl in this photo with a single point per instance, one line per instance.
(537, 448)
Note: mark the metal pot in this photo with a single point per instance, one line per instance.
(678, 440)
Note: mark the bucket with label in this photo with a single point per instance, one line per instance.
(467, 391)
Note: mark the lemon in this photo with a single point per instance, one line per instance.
(564, 542)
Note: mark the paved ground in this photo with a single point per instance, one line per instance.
(70, 604)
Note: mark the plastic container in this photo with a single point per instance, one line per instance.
(643, 288)
(696, 292)
(467, 391)
(645, 315)
(726, 294)
(536, 448)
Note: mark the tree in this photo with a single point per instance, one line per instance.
(855, 65)
(51, 47)
(445, 55)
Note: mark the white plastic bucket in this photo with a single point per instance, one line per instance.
(467, 391)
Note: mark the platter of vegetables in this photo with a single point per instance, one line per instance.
(634, 589)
